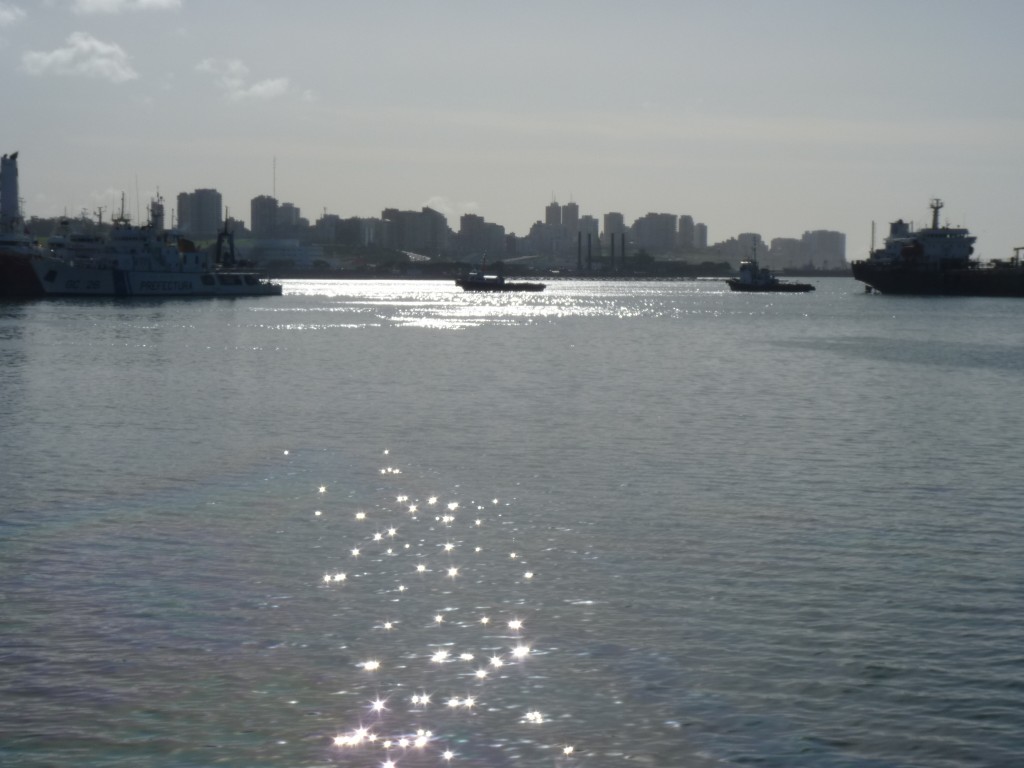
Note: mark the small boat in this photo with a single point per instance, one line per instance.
(937, 261)
(755, 279)
(476, 280)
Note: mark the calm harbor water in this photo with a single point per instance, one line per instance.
(615, 523)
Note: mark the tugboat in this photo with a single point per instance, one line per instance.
(476, 280)
(756, 279)
(937, 261)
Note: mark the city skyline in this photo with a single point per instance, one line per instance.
(563, 233)
(753, 117)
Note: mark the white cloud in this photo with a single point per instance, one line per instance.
(83, 55)
(231, 73)
(232, 78)
(265, 89)
(118, 6)
(10, 14)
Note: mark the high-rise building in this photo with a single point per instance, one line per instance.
(200, 213)
(571, 219)
(288, 216)
(327, 227)
(700, 236)
(785, 253)
(825, 249)
(553, 215)
(745, 246)
(10, 205)
(614, 226)
(480, 239)
(589, 228)
(655, 232)
(263, 216)
(687, 233)
(332, 229)
(433, 231)
(184, 222)
(424, 232)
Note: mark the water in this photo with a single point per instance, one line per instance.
(767, 530)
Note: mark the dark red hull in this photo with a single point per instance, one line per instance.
(1007, 281)
(17, 278)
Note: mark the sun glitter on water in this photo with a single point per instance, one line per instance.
(443, 668)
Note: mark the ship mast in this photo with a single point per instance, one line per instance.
(936, 206)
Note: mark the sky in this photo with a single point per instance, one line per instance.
(767, 116)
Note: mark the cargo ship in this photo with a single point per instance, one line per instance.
(937, 261)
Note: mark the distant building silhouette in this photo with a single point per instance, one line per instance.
(289, 221)
(353, 232)
(200, 213)
(571, 220)
(825, 249)
(326, 228)
(741, 248)
(655, 232)
(687, 233)
(271, 219)
(614, 226)
(786, 253)
(478, 238)
(424, 232)
(700, 237)
(263, 216)
(564, 238)
(10, 204)
(819, 249)
(553, 215)
(589, 228)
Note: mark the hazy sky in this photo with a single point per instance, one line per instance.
(769, 116)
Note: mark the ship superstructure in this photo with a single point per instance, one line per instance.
(936, 260)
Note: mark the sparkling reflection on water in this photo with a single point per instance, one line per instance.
(724, 529)
(429, 304)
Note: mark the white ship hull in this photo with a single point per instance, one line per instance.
(59, 278)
